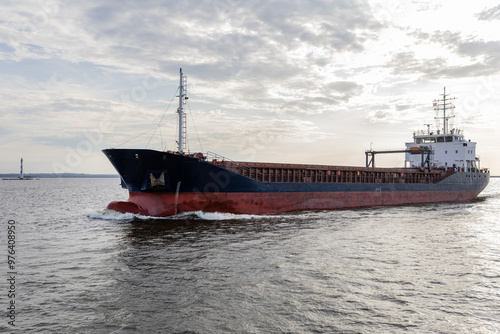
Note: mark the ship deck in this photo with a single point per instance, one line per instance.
(299, 173)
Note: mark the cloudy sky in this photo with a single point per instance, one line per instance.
(283, 81)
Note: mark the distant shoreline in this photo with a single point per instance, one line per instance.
(64, 175)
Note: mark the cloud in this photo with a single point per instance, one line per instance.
(407, 62)
(279, 70)
(247, 39)
(236, 43)
(477, 57)
(489, 14)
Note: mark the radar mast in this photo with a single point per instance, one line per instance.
(444, 104)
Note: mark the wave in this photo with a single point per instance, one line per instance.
(110, 215)
(218, 216)
(118, 216)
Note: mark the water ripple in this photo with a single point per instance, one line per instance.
(418, 269)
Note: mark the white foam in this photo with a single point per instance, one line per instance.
(110, 215)
(221, 216)
(114, 215)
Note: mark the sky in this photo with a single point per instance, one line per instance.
(278, 81)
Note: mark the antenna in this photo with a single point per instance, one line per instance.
(444, 104)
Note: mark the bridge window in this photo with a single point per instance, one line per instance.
(449, 139)
(440, 139)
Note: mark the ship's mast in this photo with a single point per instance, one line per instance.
(444, 104)
(182, 116)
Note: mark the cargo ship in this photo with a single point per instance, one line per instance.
(440, 166)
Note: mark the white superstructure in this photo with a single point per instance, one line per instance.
(449, 147)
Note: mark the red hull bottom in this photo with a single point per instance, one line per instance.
(168, 204)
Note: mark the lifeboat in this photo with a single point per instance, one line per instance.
(415, 149)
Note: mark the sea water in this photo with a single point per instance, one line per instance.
(79, 268)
